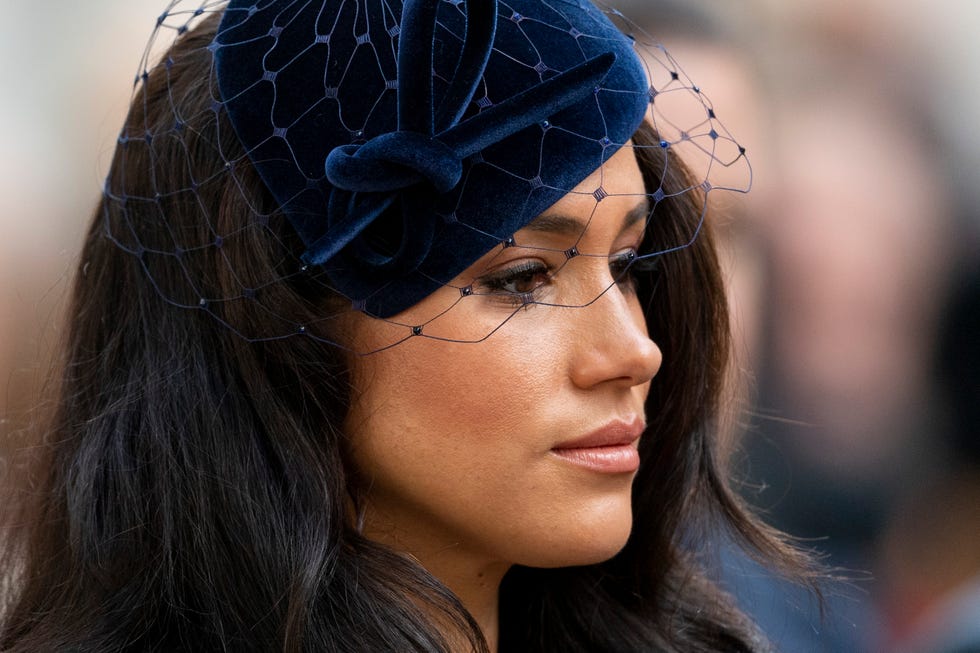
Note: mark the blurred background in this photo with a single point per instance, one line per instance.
(854, 268)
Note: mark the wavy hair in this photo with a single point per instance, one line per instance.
(192, 489)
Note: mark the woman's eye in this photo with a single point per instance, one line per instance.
(621, 267)
(626, 265)
(620, 262)
(521, 280)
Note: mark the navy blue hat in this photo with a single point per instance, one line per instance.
(405, 140)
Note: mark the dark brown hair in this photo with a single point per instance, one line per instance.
(191, 491)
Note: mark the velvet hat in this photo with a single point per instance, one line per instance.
(405, 140)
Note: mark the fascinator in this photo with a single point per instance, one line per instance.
(401, 141)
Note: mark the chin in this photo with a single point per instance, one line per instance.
(584, 540)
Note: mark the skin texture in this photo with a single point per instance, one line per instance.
(453, 441)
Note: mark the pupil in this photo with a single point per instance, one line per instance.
(525, 282)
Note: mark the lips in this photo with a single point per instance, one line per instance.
(610, 449)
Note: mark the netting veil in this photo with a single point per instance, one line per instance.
(366, 155)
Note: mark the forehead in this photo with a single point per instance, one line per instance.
(615, 189)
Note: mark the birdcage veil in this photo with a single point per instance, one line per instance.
(400, 145)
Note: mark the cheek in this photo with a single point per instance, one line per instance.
(462, 387)
(427, 410)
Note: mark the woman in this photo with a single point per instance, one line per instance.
(396, 329)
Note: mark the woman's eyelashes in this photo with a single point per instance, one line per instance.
(621, 268)
(627, 265)
(520, 283)
(526, 281)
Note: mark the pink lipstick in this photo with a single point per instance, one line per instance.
(610, 449)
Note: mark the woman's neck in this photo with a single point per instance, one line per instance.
(478, 589)
(473, 577)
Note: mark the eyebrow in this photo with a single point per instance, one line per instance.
(565, 225)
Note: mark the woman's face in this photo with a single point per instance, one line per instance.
(520, 448)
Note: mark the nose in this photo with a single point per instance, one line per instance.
(615, 345)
